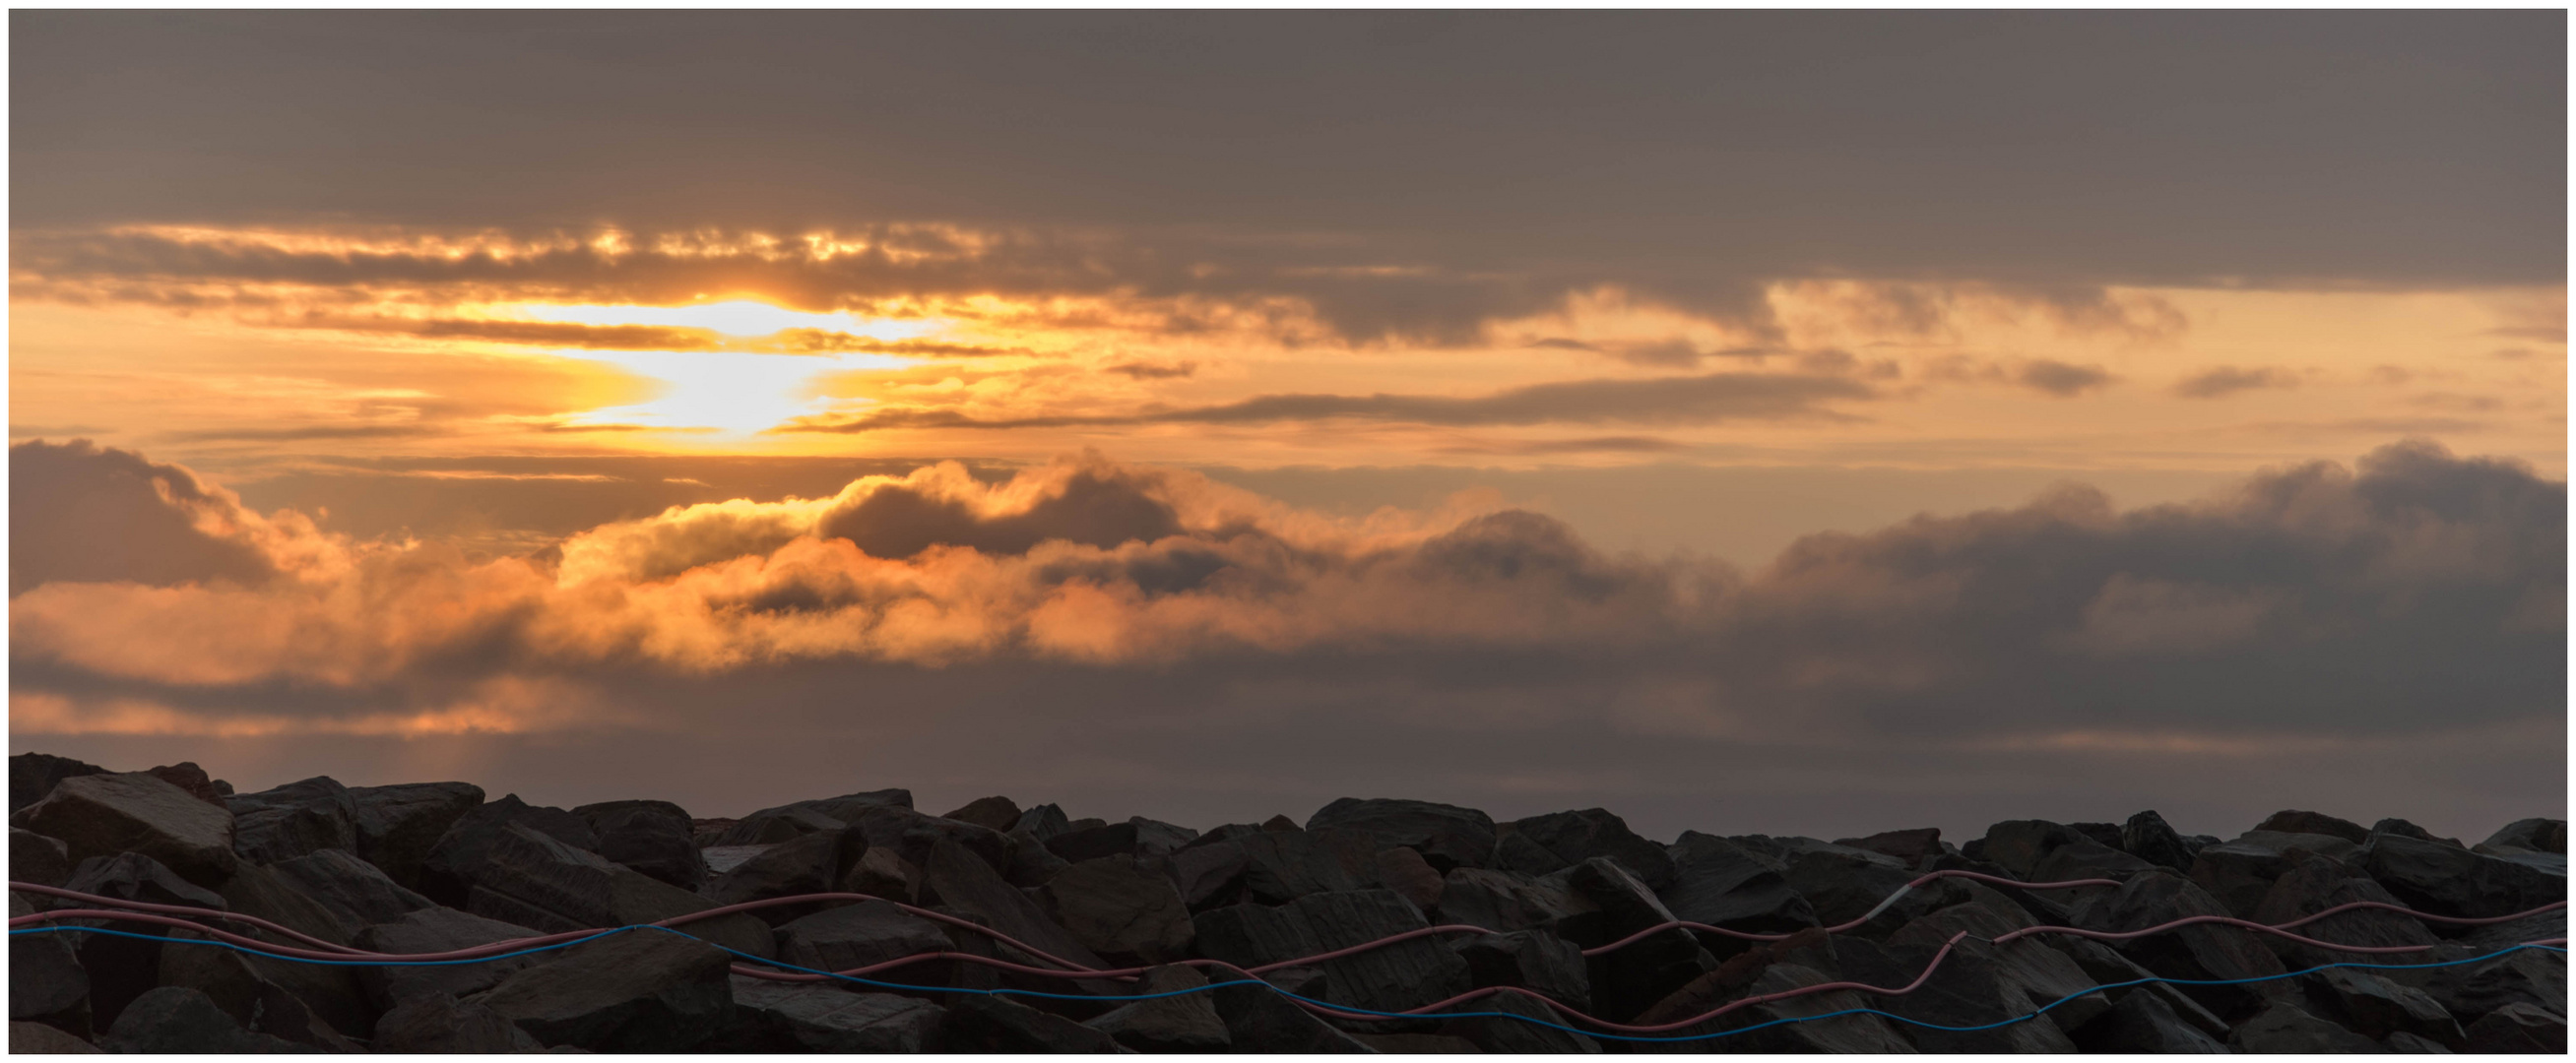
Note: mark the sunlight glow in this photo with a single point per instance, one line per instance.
(737, 393)
(735, 317)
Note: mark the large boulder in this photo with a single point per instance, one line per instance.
(439, 930)
(2528, 835)
(439, 1024)
(1448, 836)
(1717, 882)
(912, 835)
(1762, 1028)
(2199, 952)
(2313, 883)
(1138, 837)
(399, 825)
(2518, 1029)
(38, 859)
(1258, 1019)
(258, 1004)
(1841, 884)
(654, 837)
(2148, 837)
(860, 935)
(2284, 1028)
(122, 969)
(990, 813)
(963, 881)
(996, 1024)
(1494, 1033)
(33, 775)
(356, 892)
(2035, 850)
(809, 863)
(333, 992)
(2449, 881)
(1186, 1022)
(293, 820)
(1581, 835)
(808, 1018)
(532, 879)
(1529, 959)
(1505, 901)
(46, 981)
(449, 870)
(2039, 975)
(636, 991)
(1127, 915)
(772, 825)
(103, 815)
(186, 775)
(38, 1039)
(2293, 821)
(2144, 1024)
(1405, 871)
(2376, 1007)
(173, 1020)
(1403, 975)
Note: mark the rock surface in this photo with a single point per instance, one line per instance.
(108, 814)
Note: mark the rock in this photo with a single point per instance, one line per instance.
(1412, 1044)
(1720, 883)
(47, 983)
(860, 935)
(292, 820)
(2472, 991)
(1136, 837)
(1578, 836)
(1498, 1034)
(532, 879)
(437, 1023)
(1407, 974)
(1842, 884)
(121, 968)
(792, 1017)
(963, 881)
(1515, 853)
(2521, 1028)
(2144, 1024)
(186, 775)
(2296, 822)
(770, 826)
(809, 863)
(1504, 901)
(2376, 1007)
(1184, 1023)
(38, 1039)
(1406, 872)
(104, 815)
(990, 813)
(995, 1024)
(1280, 823)
(2446, 881)
(1042, 822)
(2200, 951)
(1909, 847)
(2313, 884)
(38, 859)
(398, 825)
(174, 1020)
(2240, 872)
(911, 835)
(259, 1005)
(2283, 1028)
(1126, 915)
(2147, 837)
(33, 775)
(1644, 971)
(2409, 1043)
(355, 892)
(137, 877)
(881, 873)
(1208, 876)
(438, 930)
(1844, 1033)
(2404, 829)
(723, 858)
(1257, 1019)
(2535, 835)
(1448, 836)
(656, 838)
(2037, 975)
(332, 992)
(1281, 866)
(637, 991)
(1533, 960)
(458, 858)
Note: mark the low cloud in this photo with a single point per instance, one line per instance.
(2063, 379)
(2222, 381)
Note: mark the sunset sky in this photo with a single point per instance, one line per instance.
(1785, 422)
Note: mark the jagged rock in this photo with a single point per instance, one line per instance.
(1504, 901)
(962, 880)
(1127, 915)
(2376, 1007)
(654, 837)
(723, 858)
(259, 1005)
(122, 968)
(2144, 1024)
(1841, 884)
(532, 879)
(46, 981)
(104, 815)
(1042, 822)
(1031, 864)
(1844, 1033)
(770, 826)
(173, 1020)
(1720, 883)
(2041, 976)
(332, 992)
(1530, 959)
(809, 863)
(637, 991)
(2198, 951)
(1497, 1034)
(186, 775)
(2471, 991)
(1260, 1020)
(2534, 835)
(2104, 965)
(1909, 847)
(33, 775)
(790, 1017)
(860, 935)
(2409, 1043)
(1273, 867)
(2404, 829)
(38, 859)
(1185, 1023)
(134, 876)
(2446, 881)
(1578, 836)
(38, 1039)
(2297, 822)
(1136, 837)
(438, 1023)
(1406, 872)
(2240, 872)
(354, 891)
(990, 813)
(398, 825)
(1644, 971)
(1416, 1044)
(2314, 883)
(881, 873)
(439, 930)
(1207, 876)
(2284, 1028)
(1976, 1005)
(291, 820)
(2148, 837)
(1402, 975)
(448, 872)
(1280, 823)
(1448, 836)
(2519, 1028)
(911, 835)
(1515, 853)
(995, 1024)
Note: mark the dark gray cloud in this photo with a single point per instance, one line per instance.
(1102, 508)
(78, 512)
(2063, 379)
(2221, 381)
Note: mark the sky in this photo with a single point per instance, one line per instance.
(1780, 422)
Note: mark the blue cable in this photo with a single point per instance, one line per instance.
(2035, 1013)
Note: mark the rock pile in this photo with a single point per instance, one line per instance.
(435, 867)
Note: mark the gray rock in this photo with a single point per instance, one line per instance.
(1136, 837)
(2519, 1028)
(959, 879)
(2409, 1043)
(173, 1021)
(2041, 976)
(793, 1017)
(1720, 883)
(532, 879)
(38, 859)
(990, 813)
(1395, 977)
(1448, 836)
(2297, 822)
(1406, 872)
(2313, 884)
(1843, 1034)
(2283, 1028)
(33, 775)
(637, 991)
(1185, 1023)
(453, 865)
(334, 993)
(1515, 853)
(295, 819)
(2148, 837)
(1841, 884)
(1530, 959)
(46, 981)
(122, 968)
(2376, 1007)
(259, 1005)
(137, 877)
(912, 835)
(1417, 1044)
(2144, 1024)
(1127, 915)
(436, 1023)
(1042, 822)
(1581, 835)
(438, 930)
(1909, 847)
(2200, 951)
(2535, 835)
(356, 892)
(653, 837)
(809, 863)
(1497, 1034)
(104, 815)
(1257, 1019)
(2446, 881)
(2239, 873)
(38, 1039)
(2404, 829)
(859, 935)
(1504, 901)
(1281, 866)
(399, 825)
(770, 826)
(995, 1024)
